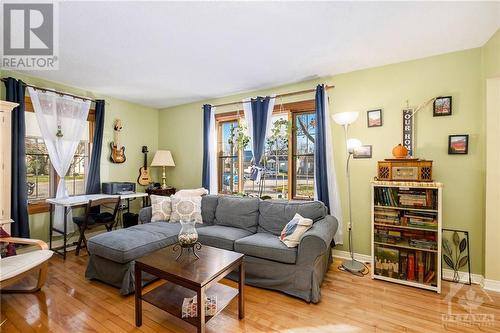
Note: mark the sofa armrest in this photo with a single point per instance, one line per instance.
(145, 215)
(317, 240)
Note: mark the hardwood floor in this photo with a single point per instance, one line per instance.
(70, 303)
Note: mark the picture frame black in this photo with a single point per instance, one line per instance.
(364, 151)
(458, 144)
(442, 106)
(374, 123)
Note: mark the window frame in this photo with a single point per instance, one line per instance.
(40, 205)
(291, 108)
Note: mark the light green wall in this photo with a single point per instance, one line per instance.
(491, 69)
(491, 56)
(140, 127)
(389, 87)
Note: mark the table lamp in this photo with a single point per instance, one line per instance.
(345, 119)
(164, 159)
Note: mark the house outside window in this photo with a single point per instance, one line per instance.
(288, 162)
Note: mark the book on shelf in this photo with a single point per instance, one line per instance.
(408, 265)
(410, 198)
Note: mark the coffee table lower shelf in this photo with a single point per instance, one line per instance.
(169, 297)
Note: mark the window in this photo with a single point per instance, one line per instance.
(288, 162)
(41, 177)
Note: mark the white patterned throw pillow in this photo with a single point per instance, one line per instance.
(293, 231)
(161, 208)
(186, 208)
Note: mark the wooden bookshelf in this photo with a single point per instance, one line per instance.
(406, 233)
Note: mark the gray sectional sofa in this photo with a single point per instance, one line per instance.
(246, 225)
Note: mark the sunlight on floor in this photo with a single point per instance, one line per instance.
(340, 328)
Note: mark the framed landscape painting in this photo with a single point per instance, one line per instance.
(363, 152)
(442, 106)
(458, 144)
(374, 118)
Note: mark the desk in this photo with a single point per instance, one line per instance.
(78, 201)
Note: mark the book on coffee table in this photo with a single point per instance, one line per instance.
(190, 307)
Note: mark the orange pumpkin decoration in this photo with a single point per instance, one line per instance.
(400, 151)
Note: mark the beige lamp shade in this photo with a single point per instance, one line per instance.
(163, 158)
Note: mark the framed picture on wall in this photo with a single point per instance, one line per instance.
(458, 144)
(374, 118)
(363, 152)
(442, 106)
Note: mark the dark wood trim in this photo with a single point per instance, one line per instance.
(292, 108)
(37, 207)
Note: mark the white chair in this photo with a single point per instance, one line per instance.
(14, 268)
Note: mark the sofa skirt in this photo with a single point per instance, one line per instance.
(303, 282)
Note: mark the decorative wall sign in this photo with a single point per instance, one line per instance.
(408, 130)
(442, 106)
(458, 144)
(456, 253)
(374, 118)
(364, 151)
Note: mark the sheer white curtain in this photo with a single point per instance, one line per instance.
(62, 120)
(212, 153)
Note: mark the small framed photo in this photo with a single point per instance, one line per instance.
(442, 106)
(363, 152)
(458, 144)
(374, 118)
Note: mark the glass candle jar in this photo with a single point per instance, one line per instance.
(188, 236)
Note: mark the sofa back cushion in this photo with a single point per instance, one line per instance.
(275, 214)
(208, 206)
(238, 212)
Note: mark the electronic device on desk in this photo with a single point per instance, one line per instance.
(118, 188)
(408, 169)
(144, 176)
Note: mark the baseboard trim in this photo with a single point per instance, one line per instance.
(463, 277)
(346, 255)
(492, 285)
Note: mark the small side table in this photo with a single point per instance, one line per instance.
(166, 192)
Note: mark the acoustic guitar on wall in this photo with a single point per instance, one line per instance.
(144, 176)
(117, 150)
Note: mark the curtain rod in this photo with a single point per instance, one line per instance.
(300, 92)
(55, 91)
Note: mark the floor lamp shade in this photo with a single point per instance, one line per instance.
(345, 118)
(163, 158)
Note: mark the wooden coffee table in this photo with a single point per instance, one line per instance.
(189, 277)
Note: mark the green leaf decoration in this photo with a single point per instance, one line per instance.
(463, 245)
(463, 261)
(456, 238)
(448, 261)
(447, 247)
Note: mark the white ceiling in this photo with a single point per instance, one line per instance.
(167, 53)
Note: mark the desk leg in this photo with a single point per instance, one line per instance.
(201, 310)
(65, 231)
(241, 294)
(51, 224)
(138, 296)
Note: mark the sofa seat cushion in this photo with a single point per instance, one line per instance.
(275, 214)
(124, 245)
(238, 212)
(266, 246)
(221, 236)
